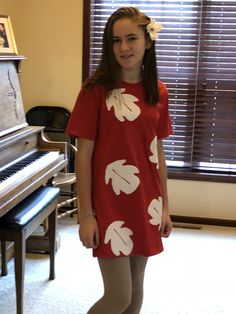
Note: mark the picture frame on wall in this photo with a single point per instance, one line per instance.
(7, 39)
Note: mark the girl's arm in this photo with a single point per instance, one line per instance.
(166, 225)
(88, 230)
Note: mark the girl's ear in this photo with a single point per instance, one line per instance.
(148, 43)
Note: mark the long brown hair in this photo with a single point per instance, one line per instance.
(108, 72)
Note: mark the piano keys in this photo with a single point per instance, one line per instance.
(16, 171)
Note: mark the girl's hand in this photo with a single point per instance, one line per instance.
(88, 232)
(166, 224)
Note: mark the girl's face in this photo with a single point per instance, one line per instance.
(129, 46)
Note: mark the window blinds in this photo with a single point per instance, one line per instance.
(214, 142)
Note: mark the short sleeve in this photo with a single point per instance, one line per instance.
(83, 121)
(164, 128)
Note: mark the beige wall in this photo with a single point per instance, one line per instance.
(49, 34)
(202, 199)
(6, 6)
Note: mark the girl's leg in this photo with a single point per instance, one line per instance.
(137, 265)
(116, 276)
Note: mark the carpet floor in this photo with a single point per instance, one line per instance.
(196, 274)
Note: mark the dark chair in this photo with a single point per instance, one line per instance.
(55, 119)
(19, 223)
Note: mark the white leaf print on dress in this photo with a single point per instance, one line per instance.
(122, 177)
(124, 106)
(120, 238)
(155, 211)
(153, 148)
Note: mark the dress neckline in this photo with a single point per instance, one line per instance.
(124, 83)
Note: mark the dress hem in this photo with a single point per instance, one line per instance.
(114, 256)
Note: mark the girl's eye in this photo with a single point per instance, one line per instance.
(115, 40)
(132, 38)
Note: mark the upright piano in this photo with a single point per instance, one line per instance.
(27, 158)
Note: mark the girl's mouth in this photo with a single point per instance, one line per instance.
(126, 56)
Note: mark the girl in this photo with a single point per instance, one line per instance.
(120, 118)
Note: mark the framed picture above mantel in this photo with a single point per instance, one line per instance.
(7, 39)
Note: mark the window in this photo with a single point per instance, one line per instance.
(196, 58)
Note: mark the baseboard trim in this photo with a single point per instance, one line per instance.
(204, 221)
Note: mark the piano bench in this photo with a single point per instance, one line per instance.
(19, 223)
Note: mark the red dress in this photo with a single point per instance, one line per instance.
(126, 190)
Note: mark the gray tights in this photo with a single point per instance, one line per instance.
(123, 285)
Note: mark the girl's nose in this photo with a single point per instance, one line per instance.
(124, 45)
